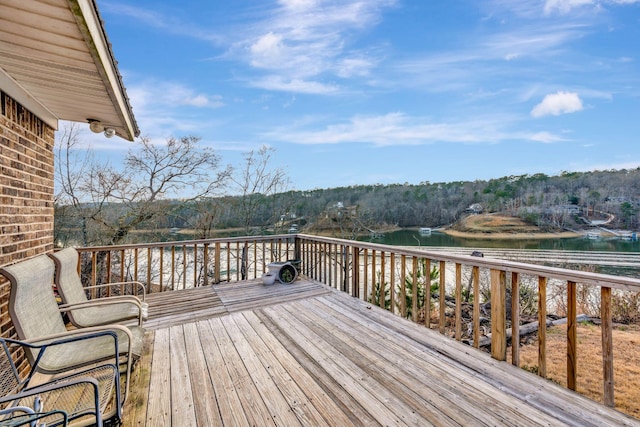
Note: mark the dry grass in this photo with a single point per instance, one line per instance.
(488, 226)
(626, 344)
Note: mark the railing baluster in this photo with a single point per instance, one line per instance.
(383, 286)
(475, 273)
(458, 301)
(94, 272)
(403, 286)
(161, 267)
(414, 289)
(135, 266)
(515, 319)
(442, 305)
(108, 272)
(184, 266)
(355, 276)
(392, 280)
(195, 265)
(365, 275)
(228, 255)
(173, 267)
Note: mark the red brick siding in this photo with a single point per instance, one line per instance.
(26, 191)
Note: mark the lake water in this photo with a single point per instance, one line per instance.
(415, 238)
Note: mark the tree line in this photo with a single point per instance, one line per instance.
(98, 204)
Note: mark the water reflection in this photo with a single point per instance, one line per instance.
(415, 238)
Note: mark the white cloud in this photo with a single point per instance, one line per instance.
(558, 103)
(546, 137)
(563, 6)
(306, 40)
(395, 129)
(283, 84)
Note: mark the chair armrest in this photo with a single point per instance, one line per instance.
(140, 285)
(115, 300)
(42, 343)
(119, 299)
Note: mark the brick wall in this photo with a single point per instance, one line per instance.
(26, 191)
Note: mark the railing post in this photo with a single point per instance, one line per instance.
(607, 346)
(498, 315)
(572, 341)
(542, 326)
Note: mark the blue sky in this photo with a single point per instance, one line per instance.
(387, 91)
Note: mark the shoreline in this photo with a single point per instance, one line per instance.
(505, 236)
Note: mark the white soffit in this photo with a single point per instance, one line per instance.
(57, 52)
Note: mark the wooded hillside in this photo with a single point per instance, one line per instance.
(548, 202)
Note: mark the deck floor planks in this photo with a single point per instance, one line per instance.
(348, 408)
(228, 401)
(254, 408)
(436, 377)
(182, 407)
(309, 355)
(535, 393)
(135, 408)
(306, 398)
(278, 407)
(186, 305)
(375, 398)
(204, 397)
(389, 365)
(253, 294)
(388, 368)
(159, 408)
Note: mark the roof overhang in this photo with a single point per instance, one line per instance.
(56, 60)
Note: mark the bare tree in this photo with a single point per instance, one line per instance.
(111, 202)
(258, 186)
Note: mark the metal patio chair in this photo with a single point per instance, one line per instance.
(83, 312)
(86, 397)
(37, 319)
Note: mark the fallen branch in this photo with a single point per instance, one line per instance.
(529, 328)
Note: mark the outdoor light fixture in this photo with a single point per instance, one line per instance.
(96, 127)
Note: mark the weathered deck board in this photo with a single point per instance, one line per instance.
(190, 305)
(253, 294)
(306, 355)
(178, 307)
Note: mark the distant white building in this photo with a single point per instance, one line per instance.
(475, 208)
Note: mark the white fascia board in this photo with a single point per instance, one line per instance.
(12, 88)
(104, 59)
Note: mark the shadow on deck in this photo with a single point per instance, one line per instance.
(304, 354)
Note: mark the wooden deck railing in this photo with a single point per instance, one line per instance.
(437, 289)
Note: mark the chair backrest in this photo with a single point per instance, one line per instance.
(67, 278)
(32, 304)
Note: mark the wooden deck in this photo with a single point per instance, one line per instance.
(303, 354)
